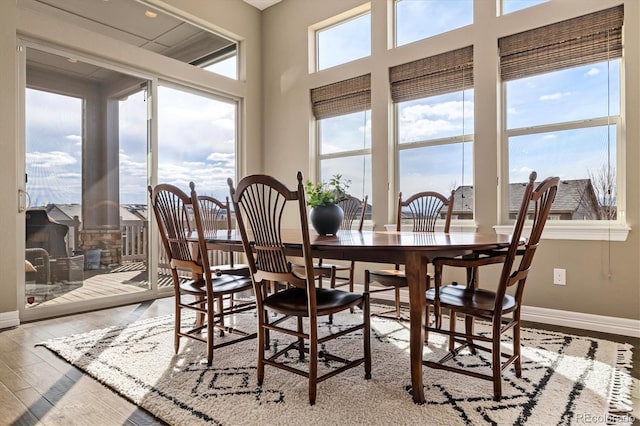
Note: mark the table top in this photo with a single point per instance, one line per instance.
(391, 243)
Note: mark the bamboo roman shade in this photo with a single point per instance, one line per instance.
(435, 75)
(343, 97)
(579, 41)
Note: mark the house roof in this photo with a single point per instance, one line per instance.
(570, 193)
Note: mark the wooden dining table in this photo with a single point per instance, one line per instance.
(414, 250)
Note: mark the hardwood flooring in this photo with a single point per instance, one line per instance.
(37, 387)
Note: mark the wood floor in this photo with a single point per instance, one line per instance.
(36, 387)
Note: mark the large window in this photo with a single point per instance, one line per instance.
(343, 42)
(343, 114)
(434, 100)
(345, 149)
(420, 19)
(562, 103)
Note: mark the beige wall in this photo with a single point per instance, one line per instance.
(602, 277)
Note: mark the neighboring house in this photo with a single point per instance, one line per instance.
(575, 200)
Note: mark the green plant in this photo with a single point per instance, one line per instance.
(325, 193)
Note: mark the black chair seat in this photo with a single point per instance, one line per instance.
(223, 284)
(240, 269)
(477, 300)
(390, 274)
(293, 301)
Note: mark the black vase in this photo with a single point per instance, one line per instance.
(326, 219)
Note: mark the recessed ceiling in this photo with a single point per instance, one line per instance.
(262, 4)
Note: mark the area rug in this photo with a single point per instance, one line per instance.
(565, 380)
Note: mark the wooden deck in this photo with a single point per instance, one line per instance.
(126, 279)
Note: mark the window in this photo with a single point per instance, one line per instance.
(343, 42)
(509, 6)
(434, 119)
(343, 114)
(196, 141)
(562, 100)
(420, 19)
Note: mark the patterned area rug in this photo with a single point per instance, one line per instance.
(565, 380)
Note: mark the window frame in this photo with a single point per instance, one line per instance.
(315, 30)
(603, 230)
(339, 155)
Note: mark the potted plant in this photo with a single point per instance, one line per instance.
(326, 215)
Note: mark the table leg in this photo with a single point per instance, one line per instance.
(416, 272)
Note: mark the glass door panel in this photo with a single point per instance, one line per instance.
(196, 142)
(86, 171)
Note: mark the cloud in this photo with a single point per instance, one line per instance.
(592, 72)
(554, 96)
(50, 159)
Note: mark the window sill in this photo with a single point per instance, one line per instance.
(574, 231)
(456, 226)
(577, 231)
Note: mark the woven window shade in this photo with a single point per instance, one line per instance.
(587, 39)
(435, 75)
(343, 97)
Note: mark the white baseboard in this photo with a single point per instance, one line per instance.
(9, 319)
(605, 324)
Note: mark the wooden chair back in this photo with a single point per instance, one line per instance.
(260, 202)
(423, 209)
(178, 217)
(538, 204)
(354, 209)
(215, 214)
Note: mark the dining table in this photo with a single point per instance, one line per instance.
(414, 250)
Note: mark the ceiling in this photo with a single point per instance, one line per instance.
(127, 21)
(262, 4)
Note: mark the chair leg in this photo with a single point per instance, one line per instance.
(263, 342)
(426, 325)
(300, 340)
(332, 278)
(221, 311)
(452, 328)
(313, 360)
(210, 331)
(351, 280)
(496, 362)
(367, 336)
(366, 281)
(516, 347)
(468, 327)
(176, 336)
(397, 291)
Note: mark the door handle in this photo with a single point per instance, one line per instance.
(24, 200)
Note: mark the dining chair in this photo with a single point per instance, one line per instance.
(178, 217)
(260, 203)
(422, 210)
(354, 211)
(216, 217)
(498, 307)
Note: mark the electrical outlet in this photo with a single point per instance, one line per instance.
(559, 276)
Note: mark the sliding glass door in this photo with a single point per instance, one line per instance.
(86, 150)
